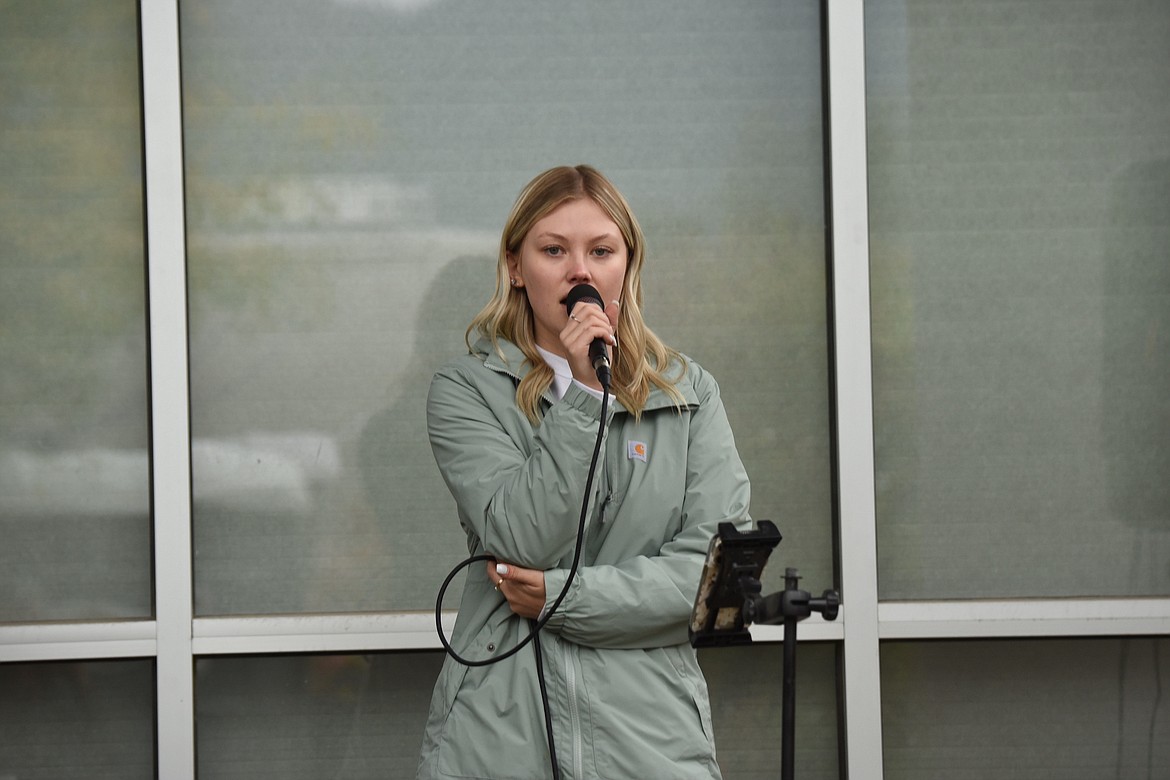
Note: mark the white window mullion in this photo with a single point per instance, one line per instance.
(335, 633)
(985, 619)
(845, 36)
(162, 112)
(84, 639)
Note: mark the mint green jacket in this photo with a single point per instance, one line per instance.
(627, 695)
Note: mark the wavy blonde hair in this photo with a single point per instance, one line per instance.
(640, 357)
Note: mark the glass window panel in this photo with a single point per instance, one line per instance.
(292, 717)
(362, 716)
(1016, 710)
(87, 720)
(747, 695)
(74, 472)
(349, 170)
(1019, 175)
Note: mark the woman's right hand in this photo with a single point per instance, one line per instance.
(588, 321)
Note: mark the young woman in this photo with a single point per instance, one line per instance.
(513, 426)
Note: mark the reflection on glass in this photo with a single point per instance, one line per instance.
(74, 473)
(1081, 709)
(1019, 175)
(354, 717)
(348, 174)
(85, 720)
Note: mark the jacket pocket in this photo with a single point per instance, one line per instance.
(489, 727)
(647, 714)
(691, 675)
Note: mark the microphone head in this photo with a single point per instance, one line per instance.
(583, 292)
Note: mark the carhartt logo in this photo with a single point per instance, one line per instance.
(636, 450)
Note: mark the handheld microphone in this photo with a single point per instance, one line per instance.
(597, 352)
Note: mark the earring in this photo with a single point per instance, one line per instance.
(512, 280)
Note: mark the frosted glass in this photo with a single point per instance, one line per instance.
(1018, 710)
(349, 169)
(85, 720)
(1019, 176)
(74, 469)
(354, 717)
(747, 696)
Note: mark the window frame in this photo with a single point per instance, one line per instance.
(175, 638)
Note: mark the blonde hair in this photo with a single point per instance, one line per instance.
(640, 358)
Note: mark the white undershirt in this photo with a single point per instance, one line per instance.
(562, 375)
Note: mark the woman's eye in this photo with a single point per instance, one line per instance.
(553, 251)
(602, 251)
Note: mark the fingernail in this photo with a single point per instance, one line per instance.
(616, 303)
(501, 569)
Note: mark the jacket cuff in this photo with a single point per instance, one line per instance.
(554, 582)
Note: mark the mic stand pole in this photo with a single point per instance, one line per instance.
(789, 607)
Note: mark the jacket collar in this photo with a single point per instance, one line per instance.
(513, 363)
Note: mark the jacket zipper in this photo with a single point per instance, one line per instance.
(574, 715)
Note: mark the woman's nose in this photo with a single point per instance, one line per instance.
(579, 270)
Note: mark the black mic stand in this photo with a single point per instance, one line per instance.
(789, 607)
(729, 601)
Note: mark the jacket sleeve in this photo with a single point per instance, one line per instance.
(646, 601)
(518, 490)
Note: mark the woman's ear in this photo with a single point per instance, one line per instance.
(514, 270)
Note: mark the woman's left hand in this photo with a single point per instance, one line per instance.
(523, 588)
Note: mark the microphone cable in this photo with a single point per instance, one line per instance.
(536, 625)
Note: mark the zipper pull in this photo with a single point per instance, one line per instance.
(604, 505)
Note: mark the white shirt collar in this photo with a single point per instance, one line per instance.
(563, 375)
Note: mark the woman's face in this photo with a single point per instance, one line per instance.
(575, 243)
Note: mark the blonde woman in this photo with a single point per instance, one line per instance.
(513, 426)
